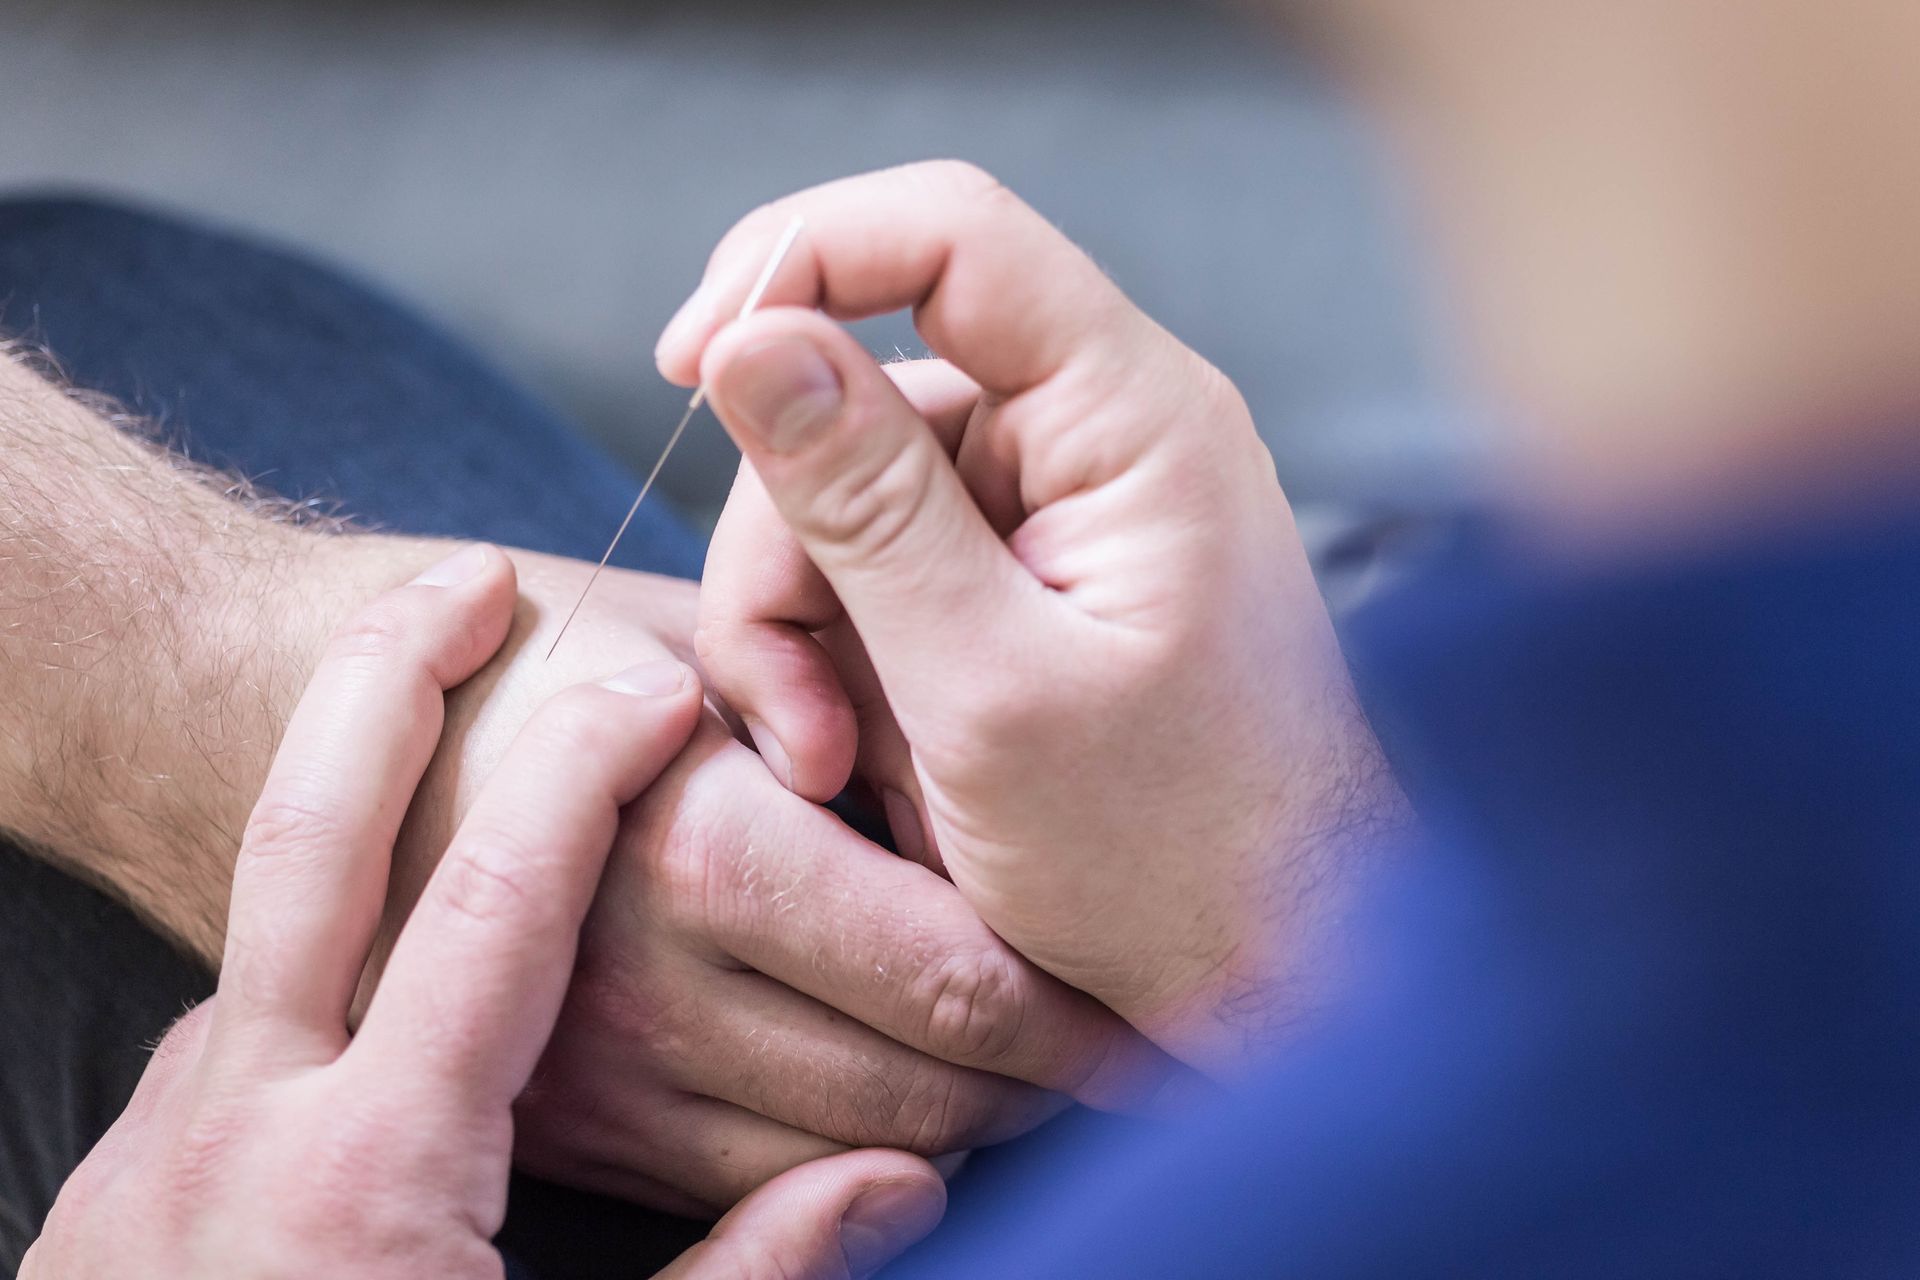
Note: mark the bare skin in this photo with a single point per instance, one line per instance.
(152, 655)
(1046, 591)
(264, 1137)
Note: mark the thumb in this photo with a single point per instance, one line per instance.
(869, 491)
(842, 1217)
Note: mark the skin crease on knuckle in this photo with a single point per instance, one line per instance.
(974, 1007)
(720, 870)
(945, 1109)
(699, 850)
(381, 631)
(292, 823)
(867, 501)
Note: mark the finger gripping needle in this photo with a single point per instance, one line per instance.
(759, 292)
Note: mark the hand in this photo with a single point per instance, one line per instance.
(758, 986)
(1046, 592)
(263, 1138)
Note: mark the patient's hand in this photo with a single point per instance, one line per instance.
(265, 1141)
(758, 985)
(149, 666)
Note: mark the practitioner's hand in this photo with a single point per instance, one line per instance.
(1047, 593)
(758, 985)
(265, 1141)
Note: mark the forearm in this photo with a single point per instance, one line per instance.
(151, 645)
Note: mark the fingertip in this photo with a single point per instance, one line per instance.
(780, 682)
(668, 694)
(772, 753)
(457, 567)
(662, 678)
(890, 1215)
(663, 698)
(479, 583)
(478, 570)
(678, 351)
(845, 1214)
(723, 350)
(820, 764)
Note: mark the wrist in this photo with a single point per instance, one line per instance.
(1269, 956)
(174, 731)
(163, 746)
(154, 635)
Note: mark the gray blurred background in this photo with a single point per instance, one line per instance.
(548, 178)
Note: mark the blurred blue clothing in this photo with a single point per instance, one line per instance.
(1648, 1004)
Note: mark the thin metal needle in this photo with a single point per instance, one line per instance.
(754, 297)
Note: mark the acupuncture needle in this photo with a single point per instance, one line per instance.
(754, 297)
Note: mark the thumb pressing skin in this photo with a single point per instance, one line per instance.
(867, 489)
(834, 1219)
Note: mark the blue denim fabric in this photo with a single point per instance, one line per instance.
(250, 358)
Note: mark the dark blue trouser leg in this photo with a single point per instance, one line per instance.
(317, 387)
(252, 359)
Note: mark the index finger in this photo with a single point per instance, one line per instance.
(471, 993)
(994, 287)
(311, 875)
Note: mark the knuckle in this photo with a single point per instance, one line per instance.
(694, 881)
(379, 631)
(757, 228)
(941, 1114)
(963, 178)
(871, 501)
(710, 637)
(973, 1004)
(693, 847)
(492, 881)
(284, 824)
(1218, 394)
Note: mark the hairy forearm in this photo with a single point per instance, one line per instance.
(149, 653)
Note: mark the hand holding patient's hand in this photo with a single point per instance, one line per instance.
(1045, 592)
(758, 985)
(265, 1141)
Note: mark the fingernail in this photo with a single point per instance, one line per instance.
(885, 1220)
(650, 679)
(784, 392)
(455, 569)
(771, 751)
(904, 821)
(694, 313)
